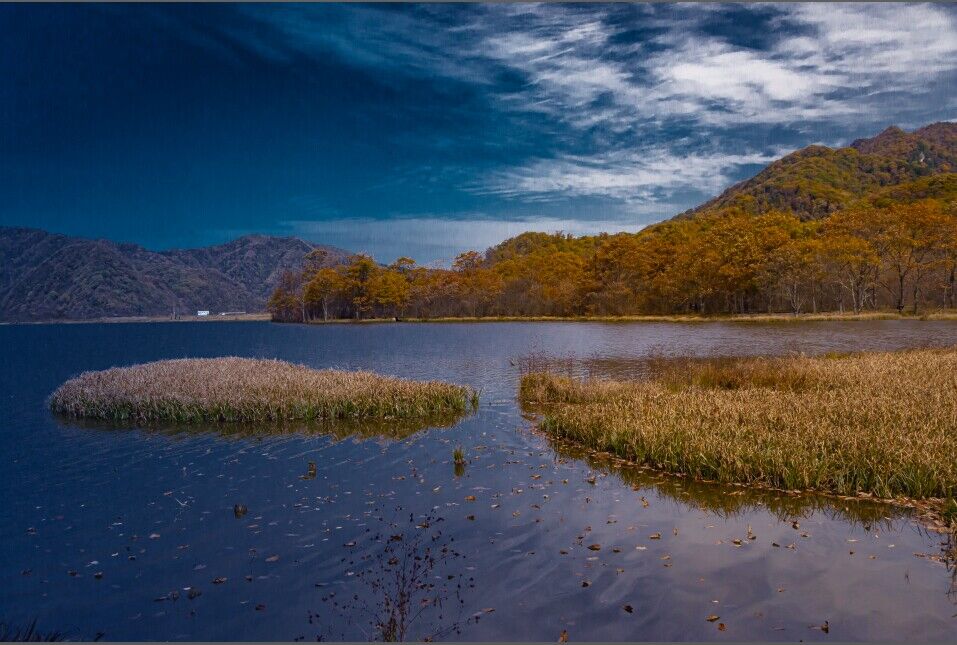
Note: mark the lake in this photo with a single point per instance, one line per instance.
(136, 533)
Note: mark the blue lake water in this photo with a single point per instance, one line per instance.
(132, 533)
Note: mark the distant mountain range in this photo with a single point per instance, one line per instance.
(816, 181)
(46, 276)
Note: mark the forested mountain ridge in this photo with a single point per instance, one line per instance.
(815, 181)
(869, 226)
(48, 276)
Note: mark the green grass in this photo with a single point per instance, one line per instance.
(876, 423)
(251, 390)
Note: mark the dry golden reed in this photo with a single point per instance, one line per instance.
(879, 423)
(244, 389)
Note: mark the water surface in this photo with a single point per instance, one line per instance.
(111, 530)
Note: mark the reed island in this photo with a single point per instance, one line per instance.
(201, 390)
(882, 423)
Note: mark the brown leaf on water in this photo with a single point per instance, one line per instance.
(470, 517)
(826, 627)
(594, 547)
(711, 618)
(721, 627)
(470, 498)
(629, 608)
(219, 581)
(563, 637)
(586, 583)
(654, 536)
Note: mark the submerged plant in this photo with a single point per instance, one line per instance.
(244, 389)
(412, 583)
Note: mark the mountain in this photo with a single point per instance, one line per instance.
(47, 276)
(816, 181)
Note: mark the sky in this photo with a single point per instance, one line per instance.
(428, 129)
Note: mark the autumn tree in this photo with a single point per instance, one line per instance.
(389, 289)
(325, 287)
(285, 303)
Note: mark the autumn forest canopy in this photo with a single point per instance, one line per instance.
(871, 226)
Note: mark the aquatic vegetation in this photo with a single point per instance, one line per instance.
(412, 586)
(883, 424)
(30, 634)
(243, 389)
(458, 456)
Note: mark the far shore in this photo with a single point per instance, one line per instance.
(948, 314)
(937, 314)
(250, 317)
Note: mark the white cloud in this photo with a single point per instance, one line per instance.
(819, 63)
(437, 240)
(633, 176)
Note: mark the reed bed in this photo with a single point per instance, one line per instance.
(244, 389)
(876, 423)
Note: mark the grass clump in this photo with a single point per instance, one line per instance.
(244, 389)
(875, 423)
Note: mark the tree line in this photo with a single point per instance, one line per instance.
(900, 256)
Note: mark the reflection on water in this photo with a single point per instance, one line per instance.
(339, 429)
(727, 501)
(285, 532)
(412, 585)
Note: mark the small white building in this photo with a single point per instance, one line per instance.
(202, 312)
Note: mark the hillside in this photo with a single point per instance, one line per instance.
(47, 276)
(816, 181)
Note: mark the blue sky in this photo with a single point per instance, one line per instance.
(428, 129)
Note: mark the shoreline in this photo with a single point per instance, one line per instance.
(939, 315)
(251, 317)
(670, 318)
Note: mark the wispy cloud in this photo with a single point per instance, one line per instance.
(645, 175)
(605, 81)
(437, 239)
